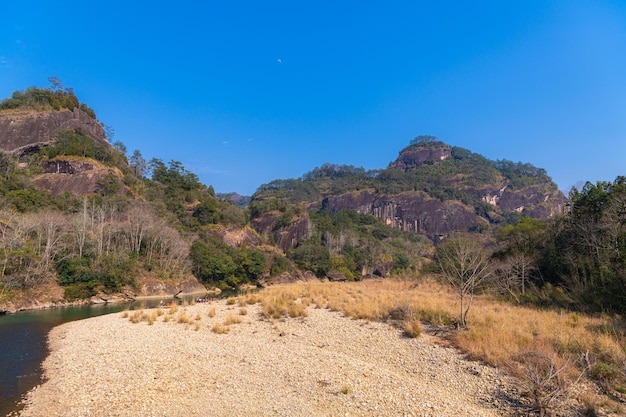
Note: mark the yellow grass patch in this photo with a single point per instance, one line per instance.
(497, 331)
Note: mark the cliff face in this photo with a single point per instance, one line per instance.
(411, 211)
(76, 177)
(418, 212)
(416, 157)
(286, 237)
(24, 131)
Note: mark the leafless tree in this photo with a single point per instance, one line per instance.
(81, 227)
(464, 264)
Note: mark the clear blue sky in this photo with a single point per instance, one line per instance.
(244, 92)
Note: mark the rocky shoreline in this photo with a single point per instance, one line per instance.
(223, 359)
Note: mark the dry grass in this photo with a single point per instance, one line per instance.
(220, 329)
(232, 319)
(413, 327)
(497, 331)
(212, 312)
(243, 311)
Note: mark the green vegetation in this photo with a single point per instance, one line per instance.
(41, 99)
(218, 264)
(456, 178)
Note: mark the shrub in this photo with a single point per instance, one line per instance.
(80, 290)
(413, 328)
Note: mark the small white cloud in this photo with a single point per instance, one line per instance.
(225, 142)
(280, 61)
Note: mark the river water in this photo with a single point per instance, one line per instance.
(23, 345)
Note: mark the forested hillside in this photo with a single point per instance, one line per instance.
(81, 218)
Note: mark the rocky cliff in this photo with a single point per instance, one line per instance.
(288, 236)
(25, 131)
(77, 177)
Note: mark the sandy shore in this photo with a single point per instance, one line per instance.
(321, 365)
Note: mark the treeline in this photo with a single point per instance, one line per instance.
(575, 260)
(100, 247)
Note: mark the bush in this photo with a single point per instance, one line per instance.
(80, 290)
(75, 270)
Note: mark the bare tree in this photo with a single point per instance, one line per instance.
(81, 227)
(464, 264)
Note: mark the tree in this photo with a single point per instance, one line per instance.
(464, 264)
(520, 246)
(55, 83)
(139, 164)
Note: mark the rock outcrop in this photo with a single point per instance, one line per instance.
(412, 211)
(286, 237)
(75, 176)
(26, 131)
(417, 156)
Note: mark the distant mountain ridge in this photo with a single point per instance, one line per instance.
(432, 188)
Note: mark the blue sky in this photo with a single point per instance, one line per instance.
(245, 92)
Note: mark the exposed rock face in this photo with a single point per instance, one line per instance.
(411, 211)
(23, 131)
(236, 237)
(286, 237)
(417, 156)
(74, 176)
(415, 211)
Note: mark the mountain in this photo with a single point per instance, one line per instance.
(432, 188)
(80, 220)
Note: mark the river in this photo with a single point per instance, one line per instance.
(23, 344)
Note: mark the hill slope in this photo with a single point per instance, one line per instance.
(432, 188)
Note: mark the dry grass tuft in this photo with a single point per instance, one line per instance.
(252, 299)
(220, 329)
(231, 301)
(173, 308)
(212, 312)
(232, 319)
(125, 314)
(243, 311)
(152, 317)
(183, 318)
(135, 317)
(413, 327)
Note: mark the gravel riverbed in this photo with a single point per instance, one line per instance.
(320, 365)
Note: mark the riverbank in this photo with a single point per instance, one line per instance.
(52, 295)
(224, 359)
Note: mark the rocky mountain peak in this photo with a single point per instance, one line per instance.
(420, 153)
